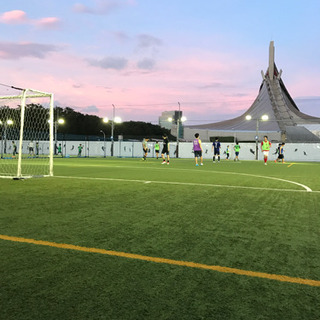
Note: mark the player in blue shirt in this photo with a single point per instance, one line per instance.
(281, 153)
(216, 146)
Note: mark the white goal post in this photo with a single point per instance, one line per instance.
(26, 133)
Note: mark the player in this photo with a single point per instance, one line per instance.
(145, 148)
(80, 147)
(31, 146)
(197, 148)
(37, 148)
(265, 147)
(236, 151)
(157, 149)
(281, 153)
(14, 149)
(228, 152)
(216, 146)
(60, 150)
(165, 149)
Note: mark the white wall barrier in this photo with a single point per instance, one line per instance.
(133, 149)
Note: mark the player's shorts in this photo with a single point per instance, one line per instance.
(157, 151)
(266, 153)
(145, 150)
(217, 152)
(30, 149)
(281, 156)
(198, 153)
(165, 150)
(237, 153)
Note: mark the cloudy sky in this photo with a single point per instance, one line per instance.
(145, 56)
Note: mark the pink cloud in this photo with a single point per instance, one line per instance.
(47, 23)
(20, 17)
(14, 17)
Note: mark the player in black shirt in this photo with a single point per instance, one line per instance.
(165, 149)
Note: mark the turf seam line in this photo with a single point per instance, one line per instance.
(269, 276)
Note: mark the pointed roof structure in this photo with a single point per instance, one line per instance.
(273, 100)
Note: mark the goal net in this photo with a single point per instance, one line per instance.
(26, 133)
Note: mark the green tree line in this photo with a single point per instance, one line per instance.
(77, 123)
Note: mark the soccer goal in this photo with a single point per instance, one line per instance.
(26, 133)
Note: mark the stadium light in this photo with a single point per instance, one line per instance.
(117, 120)
(264, 117)
(113, 121)
(7, 123)
(56, 125)
(179, 121)
(104, 143)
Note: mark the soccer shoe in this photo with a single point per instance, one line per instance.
(167, 163)
(265, 164)
(197, 165)
(163, 162)
(201, 164)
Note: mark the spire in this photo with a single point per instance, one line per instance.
(271, 60)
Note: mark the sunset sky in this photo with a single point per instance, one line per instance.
(145, 56)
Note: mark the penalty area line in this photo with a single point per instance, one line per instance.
(248, 273)
(307, 189)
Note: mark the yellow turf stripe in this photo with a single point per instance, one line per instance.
(276, 277)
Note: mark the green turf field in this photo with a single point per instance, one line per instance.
(234, 240)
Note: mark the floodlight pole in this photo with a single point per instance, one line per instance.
(5, 139)
(112, 129)
(6, 123)
(55, 137)
(178, 125)
(104, 143)
(257, 138)
(1, 143)
(56, 133)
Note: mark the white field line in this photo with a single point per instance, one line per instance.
(227, 172)
(187, 184)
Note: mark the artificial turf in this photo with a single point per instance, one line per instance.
(228, 214)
